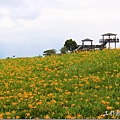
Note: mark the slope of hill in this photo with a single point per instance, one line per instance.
(76, 85)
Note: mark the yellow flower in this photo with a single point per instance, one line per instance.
(99, 117)
(27, 114)
(72, 105)
(13, 103)
(81, 93)
(67, 92)
(53, 101)
(68, 116)
(108, 97)
(17, 117)
(66, 75)
(4, 106)
(13, 112)
(46, 117)
(40, 102)
(103, 102)
(98, 72)
(87, 82)
(1, 116)
(30, 106)
(109, 108)
(117, 103)
(117, 84)
(81, 84)
(8, 117)
(21, 99)
(110, 87)
(75, 77)
(48, 103)
(107, 103)
(96, 95)
(97, 86)
(113, 117)
(79, 116)
(7, 113)
(86, 100)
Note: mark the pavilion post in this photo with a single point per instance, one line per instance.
(82, 42)
(115, 41)
(91, 44)
(109, 41)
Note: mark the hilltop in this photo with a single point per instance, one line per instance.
(74, 85)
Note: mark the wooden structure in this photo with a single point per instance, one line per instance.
(87, 40)
(109, 38)
(106, 38)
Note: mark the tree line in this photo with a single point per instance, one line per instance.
(70, 45)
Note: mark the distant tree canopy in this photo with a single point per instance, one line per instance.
(70, 44)
(63, 50)
(49, 52)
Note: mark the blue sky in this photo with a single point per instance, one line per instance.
(28, 27)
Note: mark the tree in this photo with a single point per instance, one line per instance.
(64, 50)
(49, 52)
(70, 45)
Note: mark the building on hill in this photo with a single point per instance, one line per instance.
(106, 38)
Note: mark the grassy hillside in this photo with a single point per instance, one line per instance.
(76, 85)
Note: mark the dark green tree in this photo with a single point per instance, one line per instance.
(70, 44)
(63, 50)
(49, 52)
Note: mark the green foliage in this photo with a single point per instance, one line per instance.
(70, 45)
(49, 52)
(8, 58)
(63, 50)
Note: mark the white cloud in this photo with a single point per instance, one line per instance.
(51, 22)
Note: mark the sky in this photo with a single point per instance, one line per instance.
(29, 27)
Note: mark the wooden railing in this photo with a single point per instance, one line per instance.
(109, 40)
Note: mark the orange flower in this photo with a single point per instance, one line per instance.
(27, 114)
(1, 116)
(81, 93)
(7, 113)
(72, 105)
(8, 117)
(30, 106)
(86, 100)
(79, 116)
(67, 92)
(17, 117)
(46, 117)
(66, 75)
(99, 117)
(109, 108)
(14, 103)
(108, 97)
(81, 84)
(103, 102)
(75, 77)
(13, 112)
(110, 87)
(40, 102)
(53, 101)
(117, 103)
(97, 86)
(68, 116)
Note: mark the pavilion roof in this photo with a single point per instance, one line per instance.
(87, 39)
(109, 34)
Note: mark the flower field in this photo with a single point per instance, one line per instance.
(75, 85)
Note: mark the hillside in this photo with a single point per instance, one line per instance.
(76, 85)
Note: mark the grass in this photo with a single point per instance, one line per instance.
(76, 85)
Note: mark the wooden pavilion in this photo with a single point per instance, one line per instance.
(109, 38)
(87, 40)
